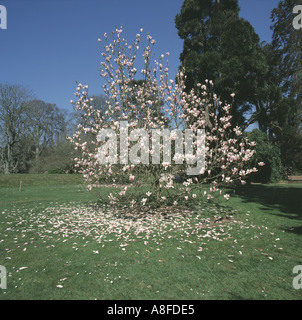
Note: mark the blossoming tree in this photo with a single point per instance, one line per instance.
(143, 107)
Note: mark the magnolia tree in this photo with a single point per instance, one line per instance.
(152, 128)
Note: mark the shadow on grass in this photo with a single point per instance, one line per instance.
(283, 200)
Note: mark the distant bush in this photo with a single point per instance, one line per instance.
(57, 159)
(56, 171)
(269, 154)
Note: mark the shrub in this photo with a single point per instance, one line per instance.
(269, 154)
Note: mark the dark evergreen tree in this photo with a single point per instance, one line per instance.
(221, 46)
(285, 54)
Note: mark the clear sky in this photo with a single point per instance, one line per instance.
(50, 44)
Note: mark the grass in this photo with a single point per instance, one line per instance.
(30, 180)
(56, 245)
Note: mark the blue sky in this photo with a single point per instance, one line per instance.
(51, 44)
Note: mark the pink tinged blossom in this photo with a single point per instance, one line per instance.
(227, 196)
(184, 106)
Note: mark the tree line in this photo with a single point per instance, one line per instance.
(32, 133)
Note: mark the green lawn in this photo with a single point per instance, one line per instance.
(56, 244)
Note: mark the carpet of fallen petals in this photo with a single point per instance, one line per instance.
(71, 221)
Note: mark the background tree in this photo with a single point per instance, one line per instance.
(221, 46)
(12, 122)
(287, 48)
(46, 125)
(285, 61)
(32, 133)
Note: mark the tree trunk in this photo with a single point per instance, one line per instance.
(8, 162)
(156, 174)
(157, 191)
(37, 153)
(6, 168)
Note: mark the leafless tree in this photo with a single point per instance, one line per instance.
(12, 122)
